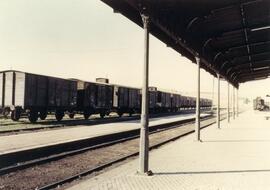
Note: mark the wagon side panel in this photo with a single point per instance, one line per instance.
(8, 89)
(19, 95)
(1, 90)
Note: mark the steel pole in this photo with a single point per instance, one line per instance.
(218, 102)
(213, 94)
(233, 102)
(228, 108)
(237, 103)
(144, 141)
(197, 125)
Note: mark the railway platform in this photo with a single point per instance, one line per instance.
(28, 141)
(233, 157)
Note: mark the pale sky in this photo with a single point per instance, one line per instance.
(85, 39)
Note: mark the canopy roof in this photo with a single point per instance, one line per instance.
(232, 37)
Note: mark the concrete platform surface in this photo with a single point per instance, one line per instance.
(235, 157)
(13, 143)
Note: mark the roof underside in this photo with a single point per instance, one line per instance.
(232, 37)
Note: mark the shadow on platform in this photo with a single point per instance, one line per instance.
(212, 172)
(231, 141)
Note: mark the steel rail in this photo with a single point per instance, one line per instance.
(95, 121)
(103, 166)
(12, 167)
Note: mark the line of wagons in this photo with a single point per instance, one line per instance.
(38, 95)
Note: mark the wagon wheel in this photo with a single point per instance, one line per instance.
(71, 115)
(6, 112)
(86, 115)
(59, 115)
(102, 115)
(15, 115)
(43, 115)
(120, 114)
(33, 116)
(131, 112)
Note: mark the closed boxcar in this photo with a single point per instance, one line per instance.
(184, 102)
(1, 91)
(126, 100)
(153, 95)
(36, 95)
(193, 102)
(164, 101)
(94, 98)
(176, 102)
(188, 102)
(135, 99)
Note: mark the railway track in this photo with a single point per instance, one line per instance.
(94, 152)
(25, 127)
(47, 125)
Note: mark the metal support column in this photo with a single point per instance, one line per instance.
(218, 102)
(144, 139)
(228, 108)
(197, 124)
(237, 103)
(233, 102)
(213, 94)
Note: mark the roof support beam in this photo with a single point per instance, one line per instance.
(252, 54)
(260, 72)
(254, 77)
(250, 44)
(246, 35)
(238, 68)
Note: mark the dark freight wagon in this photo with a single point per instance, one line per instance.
(36, 95)
(185, 103)
(1, 92)
(175, 102)
(126, 100)
(94, 98)
(164, 101)
(153, 99)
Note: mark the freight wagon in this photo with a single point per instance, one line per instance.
(176, 102)
(94, 98)
(36, 95)
(260, 104)
(164, 102)
(126, 100)
(153, 95)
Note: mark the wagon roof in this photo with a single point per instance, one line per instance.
(5, 71)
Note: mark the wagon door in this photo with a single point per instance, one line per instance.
(123, 97)
(64, 95)
(1, 90)
(101, 96)
(132, 98)
(115, 97)
(109, 97)
(8, 97)
(73, 94)
(42, 89)
(168, 100)
(52, 92)
(19, 96)
(92, 95)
